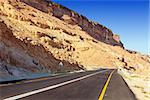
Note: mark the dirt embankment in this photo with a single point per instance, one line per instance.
(16, 53)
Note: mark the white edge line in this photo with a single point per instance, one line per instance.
(37, 80)
(47, 78)
(51, 87)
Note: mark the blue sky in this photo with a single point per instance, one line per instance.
(128, 18)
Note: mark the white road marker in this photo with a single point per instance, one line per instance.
(51, 87)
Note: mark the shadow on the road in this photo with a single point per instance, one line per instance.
(12, 81)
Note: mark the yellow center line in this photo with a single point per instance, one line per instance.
(105, 86)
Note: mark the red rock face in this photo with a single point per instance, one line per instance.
(117, 38)
(95, 30)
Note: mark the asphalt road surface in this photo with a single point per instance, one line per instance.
(91, 85)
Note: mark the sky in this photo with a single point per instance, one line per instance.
(128, 18)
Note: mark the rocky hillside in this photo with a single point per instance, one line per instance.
(41, 36)
(95, 30)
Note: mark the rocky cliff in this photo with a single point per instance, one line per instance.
(42, 36)
(94, 29)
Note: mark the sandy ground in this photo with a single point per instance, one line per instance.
(139, 84)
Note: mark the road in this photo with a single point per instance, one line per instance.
(91, 85)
